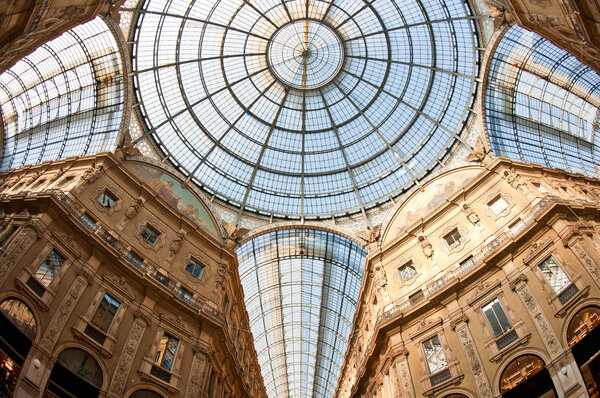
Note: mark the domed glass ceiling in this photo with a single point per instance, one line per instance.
(305, 108)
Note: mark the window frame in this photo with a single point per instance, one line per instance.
(485, 314)
(114, 315)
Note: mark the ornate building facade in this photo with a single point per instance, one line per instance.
(486, 284)
(233, 198)
(116, 287)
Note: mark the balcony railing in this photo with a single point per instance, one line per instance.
(458, 271)
(132, 258)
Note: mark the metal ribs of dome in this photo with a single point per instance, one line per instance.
(305, 141)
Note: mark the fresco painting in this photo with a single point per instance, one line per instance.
(421, 203)
(172, 192)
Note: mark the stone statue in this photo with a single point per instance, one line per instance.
(426, 247)
(370, 236)
(480, 153)
(234, 233)
(133, 209)
(471, 215)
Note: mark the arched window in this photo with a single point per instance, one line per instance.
(82, 364)
(582, 323)
(20, 315)
(519, 370)
(144, 394)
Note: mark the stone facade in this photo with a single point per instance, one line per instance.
(470, 265)
(104, 253)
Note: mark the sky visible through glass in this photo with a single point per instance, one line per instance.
(305, 108)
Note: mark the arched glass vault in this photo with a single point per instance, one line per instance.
(64, 99)
(305, 108)
(542, 104)
(301, 290)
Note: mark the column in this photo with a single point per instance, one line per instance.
(473, 359)
(140, 323)
(407, 389)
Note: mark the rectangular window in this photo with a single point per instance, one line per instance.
(434, 355)
(498, 205)
(407, 271)
(150, 235)
(105, 313)
(554, 274)
(496, 317)
(49, 268)
(517, 226)
(453, 238)
(107, 199)
(194, 268)
(167, 349)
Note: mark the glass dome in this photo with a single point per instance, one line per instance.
(305, 108)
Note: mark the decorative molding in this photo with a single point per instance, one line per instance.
(483, 289)
(474, 361)
(425, 326)
(118, 283)
(62, 314)
(536, 248)
(174, 322)
(128, 352)
(540, 320)
(517, 280)
(114, 208)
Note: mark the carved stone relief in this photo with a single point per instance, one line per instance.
(14, 253)
(539, 319)
(403, 370)
(61, 316)
(473, 360)
(582, 253)
(125, 361)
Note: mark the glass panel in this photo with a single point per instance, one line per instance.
(301, 290)
(82, 364)
(21, 316)
(305, 108)
(64, 99)
(167, 349)
(498, 205)
(582, 323)
(555, 276)
(542, 104)
(194, 268)
(519, 370)
(434, 354)
(49, 268)
(105, 313)
(407, 271)
(106, 199)
(149, 235)
(496, 318)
